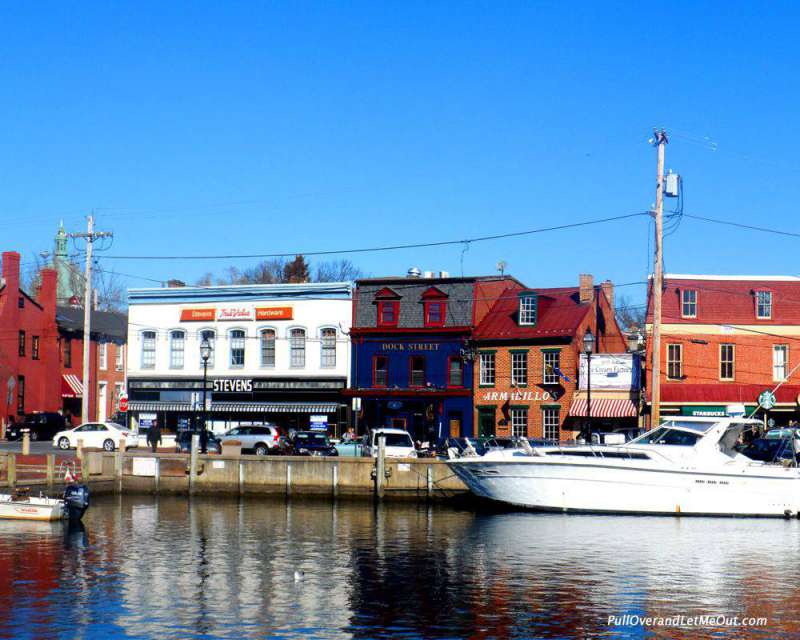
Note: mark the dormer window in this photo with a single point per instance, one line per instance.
(688, 303)
(527, 309)
(388, 303)
(435, 305)
(763, 305)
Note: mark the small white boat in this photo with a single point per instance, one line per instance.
(22, 506)
(687, 466)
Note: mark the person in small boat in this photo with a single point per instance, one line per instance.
(154, 436)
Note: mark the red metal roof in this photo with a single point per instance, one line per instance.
(725, 393)
(730, 301)
(559, 315)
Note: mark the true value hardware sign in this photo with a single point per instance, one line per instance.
(236, 314)
(610, 371)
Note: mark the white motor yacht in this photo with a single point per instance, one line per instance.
(686, 466)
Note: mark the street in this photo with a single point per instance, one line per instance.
(39, 448)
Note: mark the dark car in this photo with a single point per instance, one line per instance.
(312, 443)
(769, 450)
(183, 442)
(42, 426)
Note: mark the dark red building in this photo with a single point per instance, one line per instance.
(28, 344)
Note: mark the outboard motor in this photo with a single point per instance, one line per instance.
(76, 501)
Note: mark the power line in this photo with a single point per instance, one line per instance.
(740, 225)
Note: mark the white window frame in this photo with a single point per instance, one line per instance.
(102, 356)
(297, 348)
(692, 304)
(327, 350)
(177, 348)
(519, 368)
(485, 369)
(148, 356)
(776, 366)
(552, 358)
(262, 343)
(527, 309)
(767, 305)
(119, 360)
(237, 343)
(212, 340)
(679, 361)
(551, 423)
(723, 362)
(519, 422)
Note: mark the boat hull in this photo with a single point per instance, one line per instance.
(558, 485)
(41, 509)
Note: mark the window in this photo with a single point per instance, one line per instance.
(435, 311)
(688, 303)
(118, 391)
(519, 368)
(527, 309)
(380, 371)
(119, 364)
(388, 312)
(148, 349)
(417, 364)
(328, 345)
(519, 423)
(20, 395)
(102, 355)
(455, 372)
(22, 344)
(551, 425)
(268, 348)
(67, 353)
(177, 349)
(551, 365)
(487, 369)
(21, 302)
(780, 362)
(211, 336)
(726, 361)
(237, 347)
(35, 347)
(763, 305)
(297, 348)
(674, 361)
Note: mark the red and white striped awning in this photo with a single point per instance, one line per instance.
(71, 386)
(604, 408)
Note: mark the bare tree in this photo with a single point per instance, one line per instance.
(206, 280)
(631, 317)
(281, 270)
(337, 271)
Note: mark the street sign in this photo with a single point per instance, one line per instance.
(767, 400)
(123, 403)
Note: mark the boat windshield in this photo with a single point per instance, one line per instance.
(666, 435)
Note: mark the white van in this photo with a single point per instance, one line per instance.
(398, 443)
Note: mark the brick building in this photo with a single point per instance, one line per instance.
(28, 343)
(724, 340)
(107, 353)
(527, 353)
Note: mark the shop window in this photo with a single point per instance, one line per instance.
(727, 354)
(237, 347)
(519, 423)
(328, 346)
(380, 371)
(297, 348)
(674, 361)
(21, 344)
(417, 364)
(551, 365)
(688, 303)
(487, 368)
(35, 347)
(388, 313)
(763, 305)
(780, 362)
(551, 428)
(177, 347)
(455, 372)
(268, 348)
(211, 336)
(519, 368)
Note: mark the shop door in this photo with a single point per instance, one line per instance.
(455, 425)
(485, 423)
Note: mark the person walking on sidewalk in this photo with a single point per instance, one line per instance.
(154, 436)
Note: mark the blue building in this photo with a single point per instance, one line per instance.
(412, 365)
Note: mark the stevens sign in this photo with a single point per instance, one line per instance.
(198, 315)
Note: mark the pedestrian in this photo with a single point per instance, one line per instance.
(203, 440)
(154, 436)
(349, 435)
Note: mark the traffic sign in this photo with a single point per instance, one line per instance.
(767, 400)
(123, 402)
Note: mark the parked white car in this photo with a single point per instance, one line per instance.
(398, 443)
(259, 438)
(105, 435)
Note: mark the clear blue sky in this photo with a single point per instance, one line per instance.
(250, 127)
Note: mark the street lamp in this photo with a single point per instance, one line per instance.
(205, 354)
(588, 348)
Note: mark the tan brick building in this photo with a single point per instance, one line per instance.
(527, 351)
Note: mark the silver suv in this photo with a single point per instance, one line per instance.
(260, 438)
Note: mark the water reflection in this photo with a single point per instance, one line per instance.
(174, 568)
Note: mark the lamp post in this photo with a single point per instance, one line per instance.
(205, 354)
(588, 348)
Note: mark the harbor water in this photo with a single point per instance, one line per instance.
(171, 567)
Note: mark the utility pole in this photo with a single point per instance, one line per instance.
(90, 236)
(660, 141)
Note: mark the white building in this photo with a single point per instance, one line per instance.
(281, 354)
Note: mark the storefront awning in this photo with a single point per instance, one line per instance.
(274, 407)
(71, 386)
(154, 405)
(604, 408)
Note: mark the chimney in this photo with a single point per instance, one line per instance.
(47, 292)
(586, 286)
(608, 288)
(11, 272)
(175, 284)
